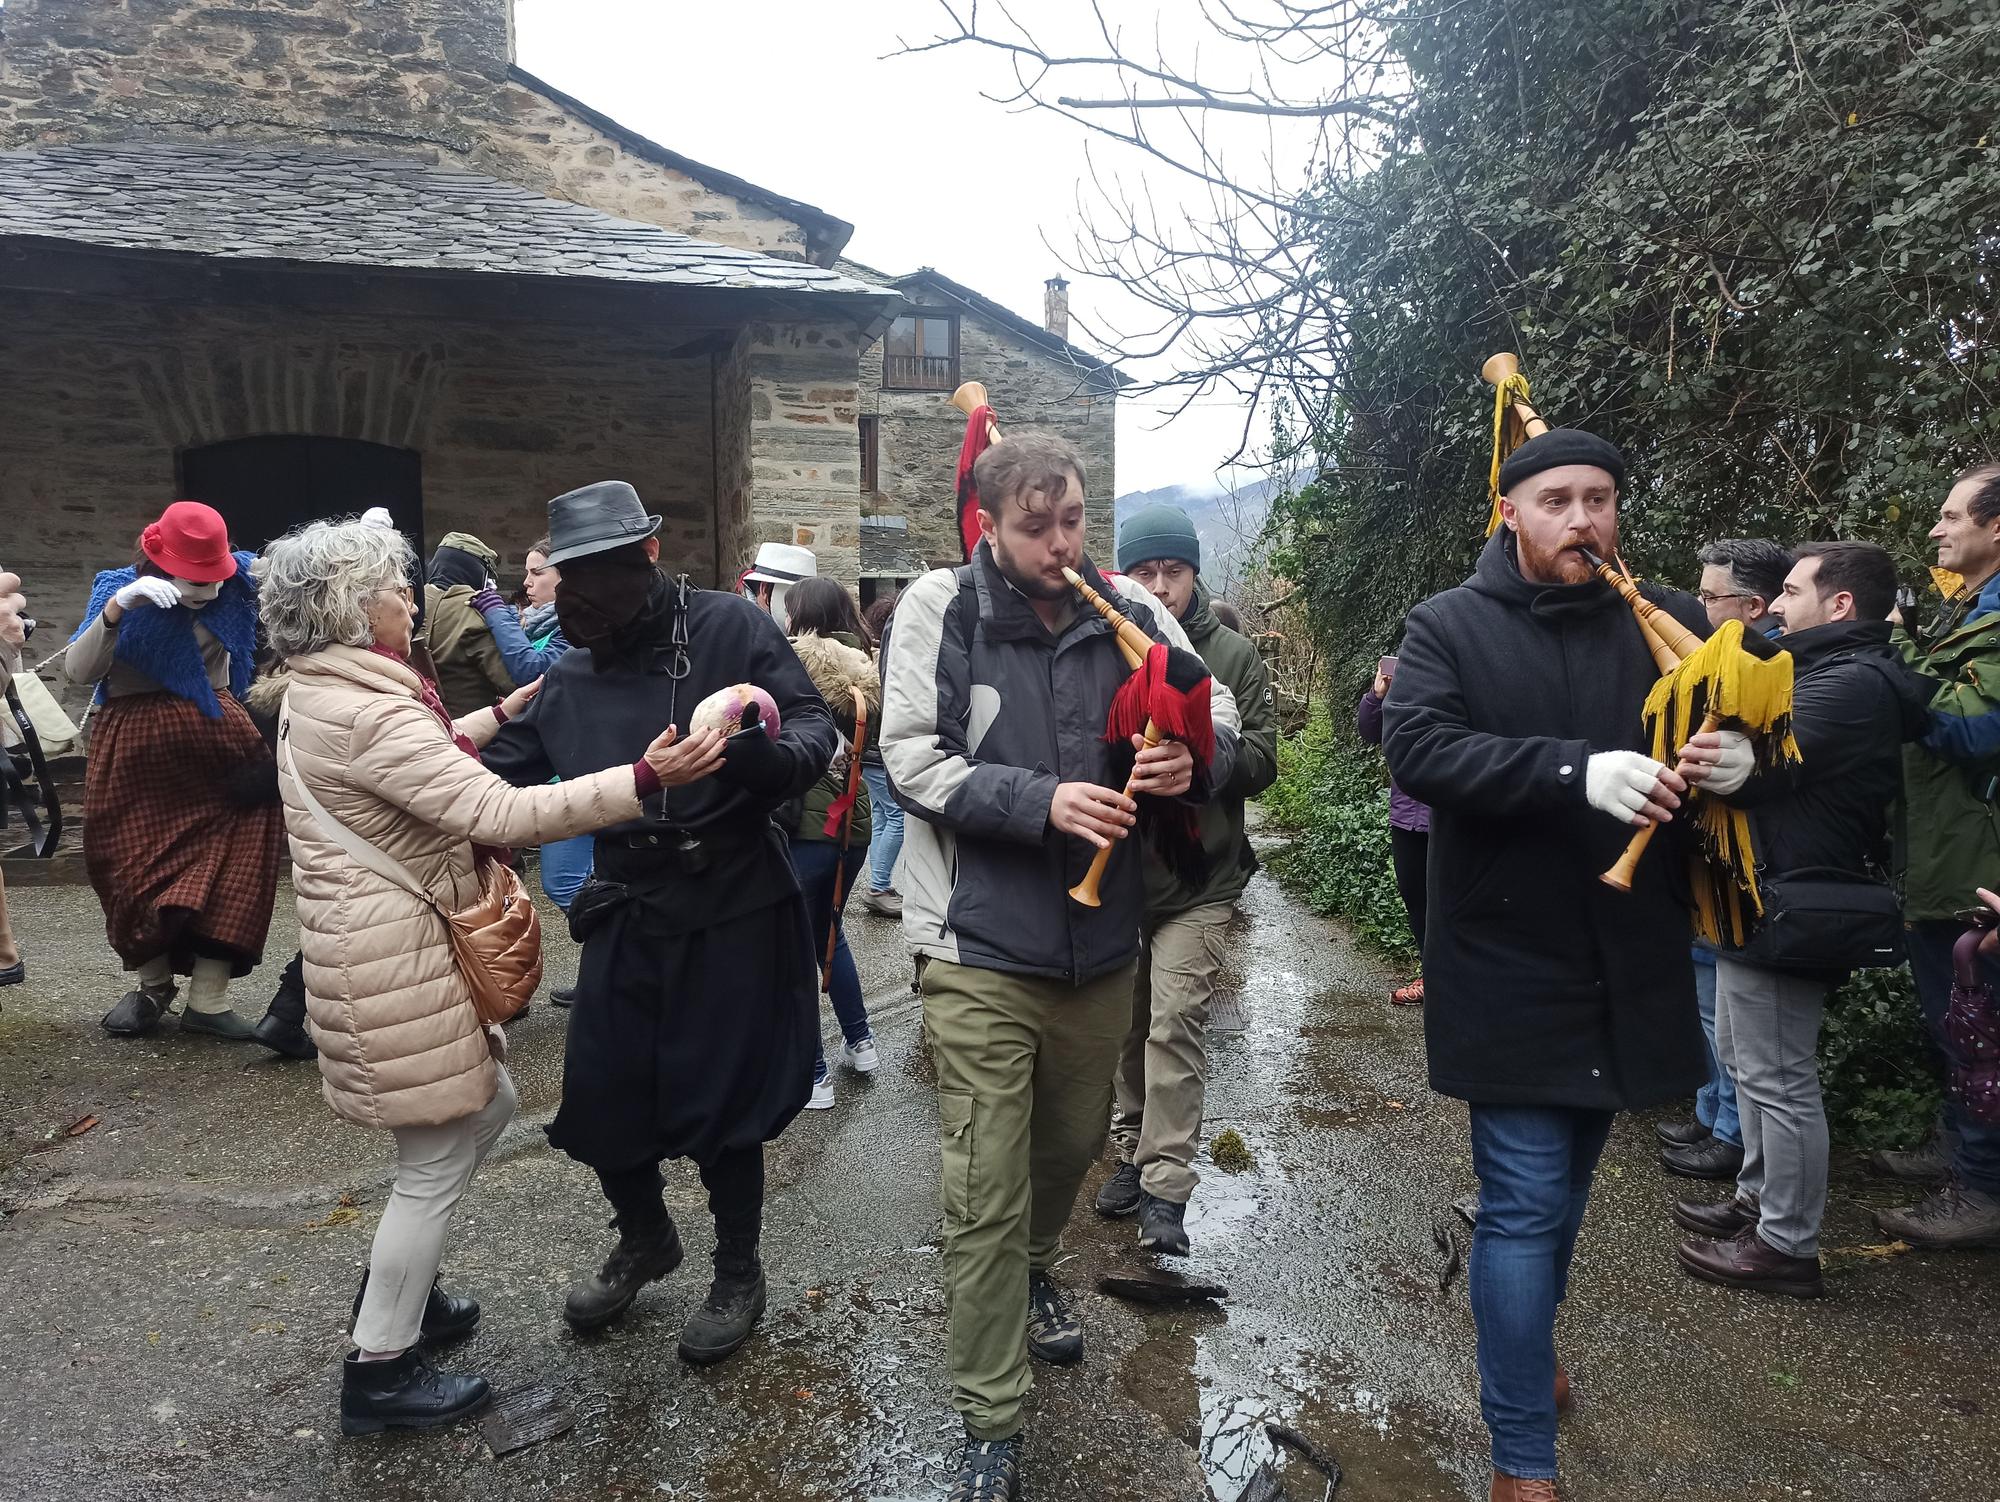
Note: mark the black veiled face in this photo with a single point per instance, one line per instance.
(601, 594)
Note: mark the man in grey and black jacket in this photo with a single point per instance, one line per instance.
(1163, 1071)
(1853, 706)
(996, 683)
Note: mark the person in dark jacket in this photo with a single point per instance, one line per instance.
(698, 1002)
(1853, 706)
(1552, 1000)
(1409, 834)
(1163, 1069)
(996, 687)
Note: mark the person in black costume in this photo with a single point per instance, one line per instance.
(697, 1017)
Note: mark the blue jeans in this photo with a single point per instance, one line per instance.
(1715, 1102)
(1975, 1149)
(815, 862)
(886, 841)
(565, 864)
(1534, 1165)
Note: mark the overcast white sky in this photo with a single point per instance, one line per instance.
(798, 96)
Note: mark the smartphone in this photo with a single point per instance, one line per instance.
(1976, 917)
(1386, 667)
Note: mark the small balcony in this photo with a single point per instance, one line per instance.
(920, 372)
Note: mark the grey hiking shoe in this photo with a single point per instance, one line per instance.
(1951, 1218)
(1929, 1163)
(1054, 1335)
(989, 1471)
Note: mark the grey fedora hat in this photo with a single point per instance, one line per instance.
(595, 519)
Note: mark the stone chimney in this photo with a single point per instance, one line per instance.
(1055, 307)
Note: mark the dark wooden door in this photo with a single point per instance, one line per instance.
(267, 485)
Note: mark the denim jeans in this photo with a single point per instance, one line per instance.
(565, 864)
(1715, 1102)
(1975, 1149)
(1534, 1165)
(886, 841)
(815, 862)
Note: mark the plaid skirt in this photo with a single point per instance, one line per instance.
(179, 869)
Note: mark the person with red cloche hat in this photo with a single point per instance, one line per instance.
(180, 837)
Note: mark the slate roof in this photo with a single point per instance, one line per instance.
(277, 202)
(927, 280)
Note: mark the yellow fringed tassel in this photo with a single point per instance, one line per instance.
(1750, 694)
(1505, 427)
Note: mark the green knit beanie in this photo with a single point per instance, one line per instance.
(1157, 532)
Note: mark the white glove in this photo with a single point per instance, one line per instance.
(1621, 784)
(149, 589)
(1724, 770)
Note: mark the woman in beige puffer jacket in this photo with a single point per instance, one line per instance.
(400, 1045)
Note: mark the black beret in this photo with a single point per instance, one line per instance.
(1561, 446)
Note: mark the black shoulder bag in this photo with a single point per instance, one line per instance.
(1822, 919)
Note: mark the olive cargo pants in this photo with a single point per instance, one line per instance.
(1163, 1070)
(1024, 1067)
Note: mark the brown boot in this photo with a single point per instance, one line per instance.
(1724, 1218)
(1522, 1489)
(1750, 1262)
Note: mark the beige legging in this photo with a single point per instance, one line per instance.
(434, 1164)
(9, 955)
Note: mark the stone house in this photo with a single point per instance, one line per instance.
(297, 257)
(910, 433)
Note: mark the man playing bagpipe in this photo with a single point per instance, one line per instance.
(1552, 1000)
(998, 695)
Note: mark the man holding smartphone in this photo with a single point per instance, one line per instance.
(1951, 846)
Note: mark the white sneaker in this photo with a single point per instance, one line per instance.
(822, 1096)
(861, 1057)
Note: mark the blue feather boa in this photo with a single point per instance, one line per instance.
(161, 645)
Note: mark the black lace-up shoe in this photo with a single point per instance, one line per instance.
(1160, 1228)
(1120, 1194)
(404, 1393)
(734, 1304)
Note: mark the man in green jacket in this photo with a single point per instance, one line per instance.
(1163, 1070)
(1951, 796)
(471, 672)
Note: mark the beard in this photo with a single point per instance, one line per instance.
(1559, 565)
(1035, 586)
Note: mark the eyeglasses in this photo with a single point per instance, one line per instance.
(1708, 598)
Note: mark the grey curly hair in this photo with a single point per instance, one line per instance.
(314, 583)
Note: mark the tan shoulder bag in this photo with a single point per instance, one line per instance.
(496, 941)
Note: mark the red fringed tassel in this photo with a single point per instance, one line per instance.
(976, 443)
(1171, 688)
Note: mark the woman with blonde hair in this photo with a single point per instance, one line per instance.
(367, 755)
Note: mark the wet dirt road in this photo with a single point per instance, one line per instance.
(178, 1276)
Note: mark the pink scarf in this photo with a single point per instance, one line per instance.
(428, 694)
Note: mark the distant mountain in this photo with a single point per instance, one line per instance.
(1227, 521)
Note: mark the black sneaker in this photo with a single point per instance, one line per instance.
(1160, 1228)
(1121, 1192)
(138, 1012)
(734, 1304)
(447, 1316)
(405, 1393)
(989, 1471)
(1054, 1335)
(563, 996)
(639, 1258)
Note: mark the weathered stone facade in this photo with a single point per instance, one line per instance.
(1030, 386)
(101, 397)
(390, 75)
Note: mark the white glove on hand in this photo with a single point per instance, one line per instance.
(1725, 769)
(148, 590)
(1621, 784)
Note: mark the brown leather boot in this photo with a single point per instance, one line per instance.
(1522, 1489)
(1749, 1262)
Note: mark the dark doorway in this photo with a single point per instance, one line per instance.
(267, 485)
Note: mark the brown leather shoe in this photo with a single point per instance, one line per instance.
(1749, 1262)
(1522, 1489)
(1719, 1218)
(1564, 1401)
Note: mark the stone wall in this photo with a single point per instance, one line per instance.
(920, 434)
(382, 75)
(805, 453)
(100, 398)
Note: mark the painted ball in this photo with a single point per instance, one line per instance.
(723, 710)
